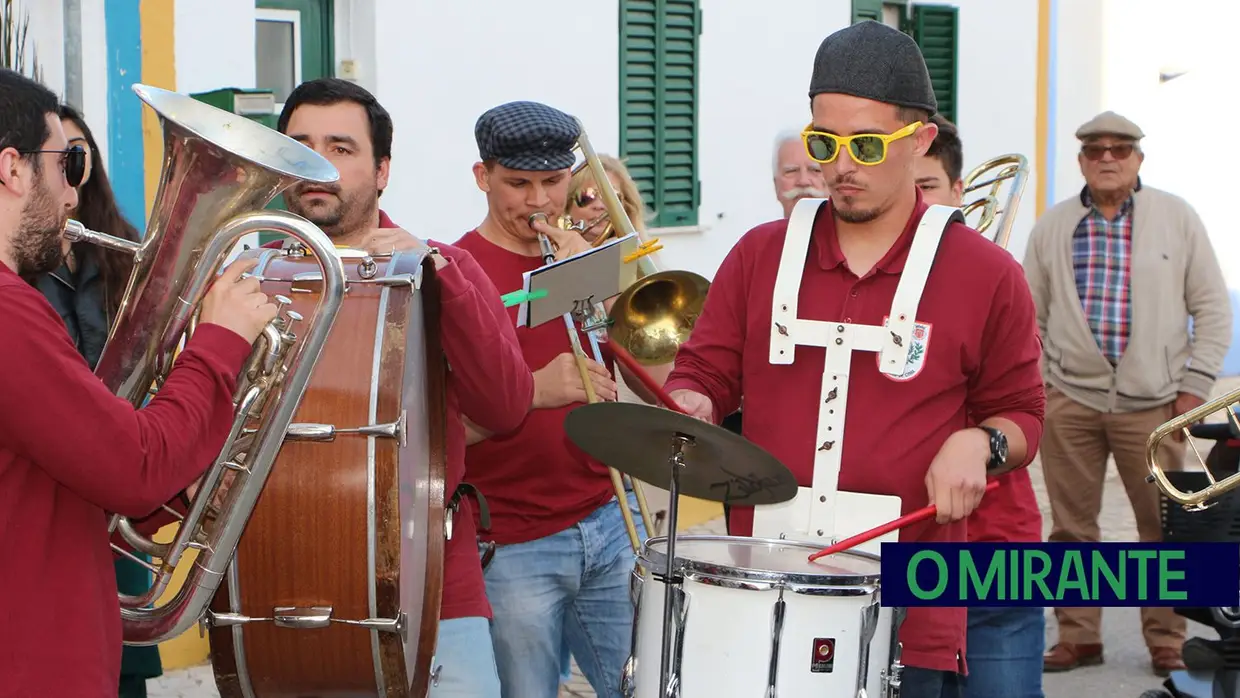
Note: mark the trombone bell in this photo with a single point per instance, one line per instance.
(1198, 500)
(655, 315)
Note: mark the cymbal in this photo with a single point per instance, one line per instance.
(720, 466)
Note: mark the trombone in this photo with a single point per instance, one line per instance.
(648, 321)
(1200, 499)
(1012, 166)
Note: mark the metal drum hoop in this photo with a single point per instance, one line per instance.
(752, 579)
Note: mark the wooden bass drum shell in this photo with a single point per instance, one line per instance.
(355, 524)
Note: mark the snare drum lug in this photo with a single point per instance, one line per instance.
(435, 674)
(302, 618)
(367, 268)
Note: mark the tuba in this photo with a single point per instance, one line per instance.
(219, 171)
(1012, 166)
(1198, 500)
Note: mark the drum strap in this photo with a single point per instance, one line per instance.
(816, 517)
(486, 549)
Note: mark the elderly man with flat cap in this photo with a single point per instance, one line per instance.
(874, 317)
(1119, 357)
(560, 573)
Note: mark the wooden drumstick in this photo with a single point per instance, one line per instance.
(921, 514)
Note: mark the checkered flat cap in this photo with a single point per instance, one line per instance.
(527, 136)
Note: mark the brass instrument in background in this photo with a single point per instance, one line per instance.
(1012, 166)
(649, 320)
(219, 171)
(1200, 499)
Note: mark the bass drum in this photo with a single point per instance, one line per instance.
(336, 584)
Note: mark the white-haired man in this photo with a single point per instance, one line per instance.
(796, 176)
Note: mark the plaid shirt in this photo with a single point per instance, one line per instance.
(1101, 256)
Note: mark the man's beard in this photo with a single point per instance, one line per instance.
(858, 216)
(853, 215)
(338, 216)
(38, 245)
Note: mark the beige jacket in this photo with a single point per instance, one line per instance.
(1174, 275)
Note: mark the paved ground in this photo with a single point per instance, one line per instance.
(1126, 673)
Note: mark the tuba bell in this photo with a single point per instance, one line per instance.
(219, 171)
(1012, 166)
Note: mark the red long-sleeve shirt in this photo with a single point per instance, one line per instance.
(70, 451)
(491, 384)
(981, 353)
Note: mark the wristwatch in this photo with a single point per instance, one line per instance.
(998, 447)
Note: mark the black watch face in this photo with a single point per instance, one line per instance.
(998, 447)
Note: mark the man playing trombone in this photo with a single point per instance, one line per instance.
(488, 382)
(945, 395)
(563, 560)
(1004, 643)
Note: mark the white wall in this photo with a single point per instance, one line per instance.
(997, 106)
(1079, 83)
(95, 72)
(204, 64)
(755, 68)
(443, 64)
(47, 39)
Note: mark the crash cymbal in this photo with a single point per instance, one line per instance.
(720, 466)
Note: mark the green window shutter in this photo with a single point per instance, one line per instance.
(867, 9)
(936, 29)
(659, 105)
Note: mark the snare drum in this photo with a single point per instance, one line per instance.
(754, 617)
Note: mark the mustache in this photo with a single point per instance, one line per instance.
(803, 192)
(846, 180)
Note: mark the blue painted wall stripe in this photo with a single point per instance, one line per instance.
(126, 158)
(1052, 109)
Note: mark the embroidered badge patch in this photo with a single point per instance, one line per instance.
(919, 344)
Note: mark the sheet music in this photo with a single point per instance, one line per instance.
(596, 275)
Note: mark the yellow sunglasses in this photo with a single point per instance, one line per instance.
(865, 148)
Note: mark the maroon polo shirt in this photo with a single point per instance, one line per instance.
(981, 360)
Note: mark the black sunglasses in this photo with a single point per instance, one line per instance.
(73, 163)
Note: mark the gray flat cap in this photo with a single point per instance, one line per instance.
(1108, 123)
(873, 61)
(527, 136)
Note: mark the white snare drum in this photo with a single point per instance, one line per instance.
(754, 617)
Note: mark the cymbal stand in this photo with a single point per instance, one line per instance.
(671, 580)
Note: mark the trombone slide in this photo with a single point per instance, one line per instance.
(617, 480)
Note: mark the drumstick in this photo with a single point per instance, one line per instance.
(627, 359)
(853, 541)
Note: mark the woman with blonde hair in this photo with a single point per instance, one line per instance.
(585, 201)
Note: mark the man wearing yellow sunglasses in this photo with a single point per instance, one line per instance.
(876, 307)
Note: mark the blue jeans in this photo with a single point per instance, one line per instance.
(570, 588)
(929, 683)
(467, 660)
(1004, 652)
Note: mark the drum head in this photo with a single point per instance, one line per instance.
(762, 560)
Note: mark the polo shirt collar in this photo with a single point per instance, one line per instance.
(384, 221)
(830, 256)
